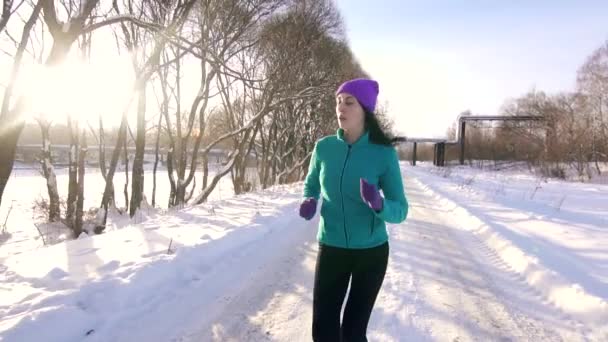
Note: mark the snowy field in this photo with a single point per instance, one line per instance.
(483, 256)
(27, 186)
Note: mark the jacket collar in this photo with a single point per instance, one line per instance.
(363, 139)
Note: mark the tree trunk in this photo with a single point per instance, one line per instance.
(70, 215)
(126, 188)
(141, 80)
(49, 172)
(6, 13)
(102, 161)
(137, 188)
(81, 172)
(171, 177)
(239, 171)
(297, 167)
(11, 124)
(8, 141)
(109, 188)
(156, 154)
(267, 157)
(205, 169)
(202, 198)
(102, 150)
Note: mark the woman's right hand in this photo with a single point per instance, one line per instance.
(308, 207)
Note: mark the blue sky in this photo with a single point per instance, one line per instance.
(435, 59)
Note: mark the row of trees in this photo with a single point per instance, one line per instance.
(574, 131)
(266, 72)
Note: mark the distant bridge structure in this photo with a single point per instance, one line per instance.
(440, 144)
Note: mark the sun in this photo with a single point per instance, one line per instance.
(82, 90)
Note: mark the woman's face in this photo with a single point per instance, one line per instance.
(351, 116)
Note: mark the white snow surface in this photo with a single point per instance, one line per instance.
(483, 256)
(27, 186)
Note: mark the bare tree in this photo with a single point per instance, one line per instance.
(168, 92)
(162, 36)
(137, 190)
(301, 47)
(574, 130)
(70, 215)
(100, 137)
(136, 41)
(49, 171)
(222, 30)
(7, 11)
(125, 159)
(156, 159)
(78, 220)
(11, 123)
(77, 20)
(592, 83)
(64, 34)
(273, 64)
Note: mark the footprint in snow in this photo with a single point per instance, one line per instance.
(56, 274)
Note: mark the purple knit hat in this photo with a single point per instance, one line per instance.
(364, 90)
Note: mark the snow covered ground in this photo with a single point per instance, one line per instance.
(483, 256)
(27, 186)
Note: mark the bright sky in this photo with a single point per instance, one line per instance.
(433, 59)
(436, 58)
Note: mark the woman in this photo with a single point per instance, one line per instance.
(347, 170)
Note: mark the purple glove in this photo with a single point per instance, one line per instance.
(308, 207)
(371, 195)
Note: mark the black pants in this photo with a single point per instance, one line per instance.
(335, 266)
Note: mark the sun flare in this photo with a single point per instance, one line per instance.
(82, 90)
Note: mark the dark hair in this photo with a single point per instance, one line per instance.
(377, 134)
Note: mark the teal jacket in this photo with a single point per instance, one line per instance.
(334, 172)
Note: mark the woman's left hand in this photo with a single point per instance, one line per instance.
(370, 195)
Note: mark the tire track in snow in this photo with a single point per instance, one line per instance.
(273, 302)
(508, 301)
(441, 285)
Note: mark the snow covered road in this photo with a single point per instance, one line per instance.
(442, 285)
(242, 269)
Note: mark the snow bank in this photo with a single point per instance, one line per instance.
(559, 290)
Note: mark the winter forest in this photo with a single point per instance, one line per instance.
(252, 79)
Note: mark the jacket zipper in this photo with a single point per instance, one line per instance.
(373, 224)
(342, 194)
